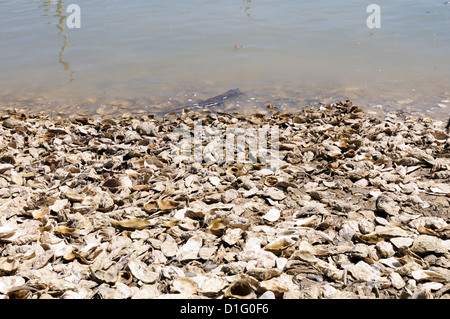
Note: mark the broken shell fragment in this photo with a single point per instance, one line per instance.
(22, 292)
(272, 215)
(40, 213)
(194, 214)
(311, 208)
(169, 247)
(232, 236)
(9, 282)
(387, 205)
(59, 205)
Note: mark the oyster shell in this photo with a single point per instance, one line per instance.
(190, 249)
(272, 215)
(133, 223)
(211, 285)
(167, 205)
(8, 265)
(387, 205)
(280, 285)
(185, 286)
(279, 244)
(143, 272)
(242, 287)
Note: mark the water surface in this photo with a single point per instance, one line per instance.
(147, 55)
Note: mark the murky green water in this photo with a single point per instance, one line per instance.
(142, 56)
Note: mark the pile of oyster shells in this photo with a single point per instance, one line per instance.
(97, 208)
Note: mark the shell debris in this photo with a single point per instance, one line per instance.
(357, 207)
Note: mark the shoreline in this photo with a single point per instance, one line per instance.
(286, 100)
(357, 207)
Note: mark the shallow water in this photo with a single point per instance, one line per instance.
(144, 56)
